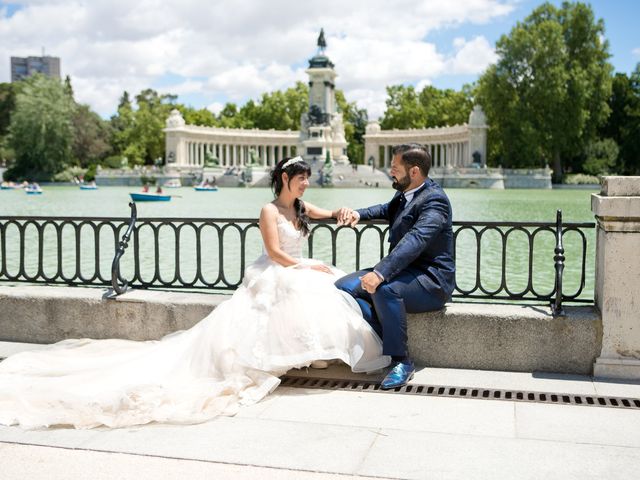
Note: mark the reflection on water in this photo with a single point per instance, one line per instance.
(489, 272)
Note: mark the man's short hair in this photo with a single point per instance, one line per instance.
(414, 155)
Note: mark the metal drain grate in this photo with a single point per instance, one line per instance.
(464, 392)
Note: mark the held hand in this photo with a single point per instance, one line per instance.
(321, 267)
(342, 215)
(370, 282)
(347, 216)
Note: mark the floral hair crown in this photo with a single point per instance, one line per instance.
(291, 161)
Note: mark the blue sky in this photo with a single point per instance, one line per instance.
(233, 50)
(621, 19)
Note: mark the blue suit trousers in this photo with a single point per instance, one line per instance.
(386, 309)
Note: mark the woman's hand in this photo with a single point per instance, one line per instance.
(346, 216)
(321, 267)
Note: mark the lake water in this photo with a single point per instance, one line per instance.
(468, 205)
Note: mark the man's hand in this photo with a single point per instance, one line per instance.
(370, 282)
(347, 216)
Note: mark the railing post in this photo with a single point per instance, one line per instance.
(115, 266)
(556, 307)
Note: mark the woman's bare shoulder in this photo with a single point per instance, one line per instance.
(269, 210)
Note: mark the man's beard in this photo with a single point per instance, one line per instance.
(401, 184)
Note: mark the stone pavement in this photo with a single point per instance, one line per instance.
(315, 434)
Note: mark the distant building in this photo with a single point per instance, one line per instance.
(22, 67)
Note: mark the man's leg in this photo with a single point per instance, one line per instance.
(351, 284)
(392, 300)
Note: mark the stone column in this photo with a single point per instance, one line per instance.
(386, 156)
(270, 158)
(617, 210)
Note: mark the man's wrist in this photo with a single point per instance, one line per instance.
(380, 276)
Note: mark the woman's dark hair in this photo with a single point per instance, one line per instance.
(292, 169)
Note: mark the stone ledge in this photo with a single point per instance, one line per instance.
(463, 335)
(507, 337)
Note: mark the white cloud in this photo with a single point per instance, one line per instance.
(215, 107)
(471, 57)
(636, 52)
(238, 49)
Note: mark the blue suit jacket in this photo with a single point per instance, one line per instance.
(421, 239)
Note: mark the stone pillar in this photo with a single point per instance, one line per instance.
(371, 150)
(270, 159)
(617, 211)
(386, 156)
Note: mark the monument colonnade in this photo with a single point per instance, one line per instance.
(189, 146)
(449, 146)
(457, 146)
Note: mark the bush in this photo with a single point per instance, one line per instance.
(581, 179)
(601, 157)
(68, 174)
(148, 180)
(90, 176)
(114, 161)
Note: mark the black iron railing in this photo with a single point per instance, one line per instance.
(198, 253)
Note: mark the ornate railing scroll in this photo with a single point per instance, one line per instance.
(115, 266)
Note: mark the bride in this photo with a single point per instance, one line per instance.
(286, 314)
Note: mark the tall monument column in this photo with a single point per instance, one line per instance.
(617, 211)
(321, 127)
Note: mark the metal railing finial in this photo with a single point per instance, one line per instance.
(556, 307)
(115, 266)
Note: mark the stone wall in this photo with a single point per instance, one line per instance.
(472, 336)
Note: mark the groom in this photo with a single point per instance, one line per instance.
(418, 274)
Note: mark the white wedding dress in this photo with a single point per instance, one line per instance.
(278, 319)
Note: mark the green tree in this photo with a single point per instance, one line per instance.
(137, 133)
(280, 110)
(7, 106)
(404, 109)
(355, 123)
(41, 129)
(202, 117)
(631, 130)
(122, 125)
(92, 137)
(446, 107)
(601, 157)
(547, 95)
(623, 125)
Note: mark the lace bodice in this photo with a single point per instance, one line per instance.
(291, 239)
